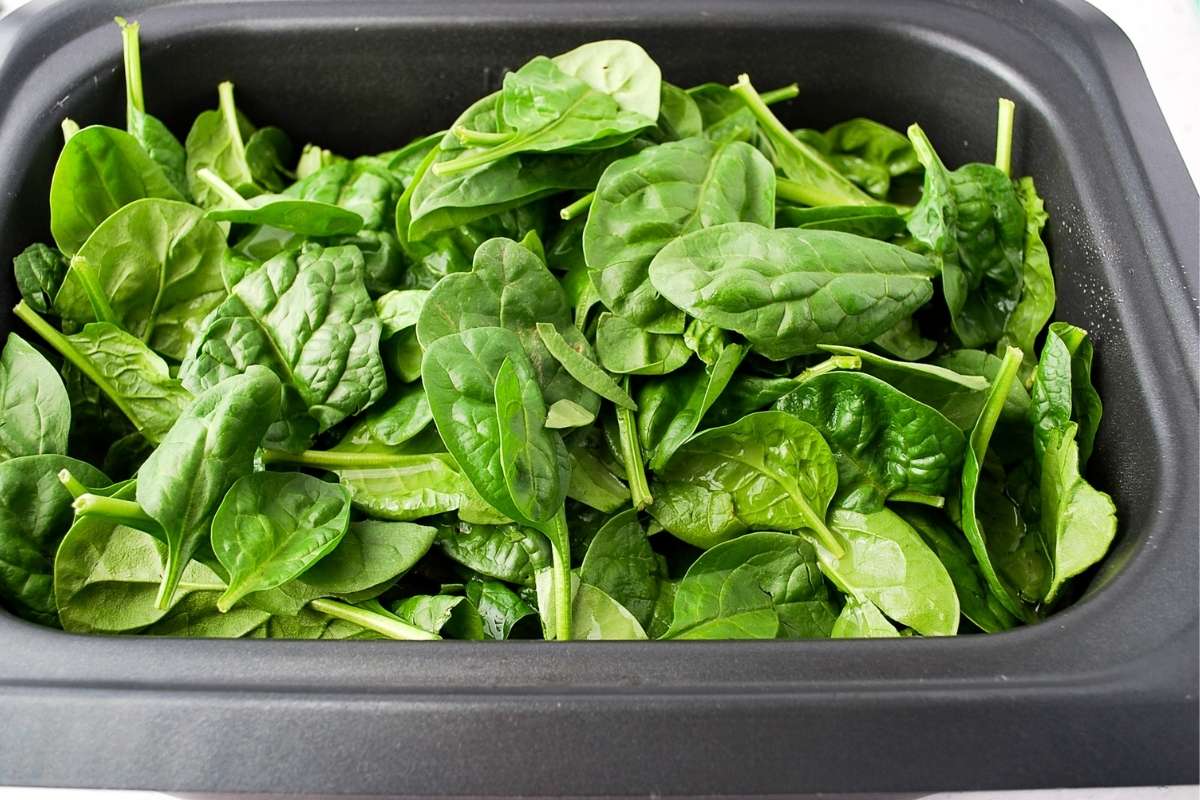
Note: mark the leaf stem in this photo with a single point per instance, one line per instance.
(773, 96)
(218, 185)
(481, 138)
(101, 308)
(631, 454)
(133, 66)
(67, 350)
(1004, 135)
(334, 459)
(392, 628)
(69, 128)
(791, 191)
(229, 113)
(578, 207)
(905, 496)
(71, 483)
(829, 365)
(122, 512)
(560, 563)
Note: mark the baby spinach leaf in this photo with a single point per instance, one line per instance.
(157, 266)
(862, 619)
(620, 562)
(157, 140)
(196, 616)
(678, 116)
(593, 484)
(581, 367)
(35, 412)
(532, 458)
(671, 408)
(568, 414)
(594, 614)
(371, 553)
(505, 552)
(790, 290)
(268, 152)
(905, 342)
(99, 171)
(39, 271)
(209, 447)
(400, 309)
(402, 413)
(647, 200)
(272, 526)
(35, 513)
(1078, 521)
(619, 68)
(724, 115)
(217, 141)
(705, 340)
(867, 152)
(887, 563)
(307, 317)
(747, 587)
(500, 609)
(359, 187)
(977, 446)
(973, 222)
(875, 222)
(1062, 390)
(305, 217)
(766, 471)
(1014, 543)
(454, 616)
(817, 182)
(884, 442)
(627, 349)
(976, 602)
(1036, 305)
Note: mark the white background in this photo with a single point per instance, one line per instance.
(1166, 34)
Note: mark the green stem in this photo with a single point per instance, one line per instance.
(334, 459)
(469, 161)
(934, 500)
(829, 365)
(578, 207)
(631, 453)
(392, 628)
(229, 113)
(68, 351)
(217, 184)
(133, 66)
(101, 308)
(1004, 135)
(560, 564)
(792, 90)
(481, 138)
(69, 128)
(122, 512)
(71, 483)
(817, 525)
(791, 191)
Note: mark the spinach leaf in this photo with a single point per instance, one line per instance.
(1036, 305)
(867, 152)
(875, 222)
(648, 200)
(217, 142)
(305, 217)
(400, 309)
(724, 116)
(905, 342)
(620, 562)
(402, 413)
(766, 471)
(886, 444)
(977, 446)
(790, 290)
(862, 619)
(678, 116)
(627, 349)
(887, 563)
(582, 368)
(156, 139)
(307, 317)
(593, 484)
(209, 447)
(973, 222)
(671, 408)
(128, 372)
(371, 553)
(595, 615)
(1062, 390)
(532, 458)
(196, 616)
(154, 267)
(35, 412)
(500, 609)
(757, 586)
(1078, 521)
(272, 526)
(505, 552)
(268, 152)
(508, 287)
(99, 171)
(454, 616)
(360, 187)
(35, 513)
(39, 271)
(816, 181)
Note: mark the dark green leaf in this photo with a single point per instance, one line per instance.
(35, 412)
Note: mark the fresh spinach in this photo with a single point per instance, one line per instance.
(39, 271)
(35, 412)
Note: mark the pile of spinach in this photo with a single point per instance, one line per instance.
(607, 358)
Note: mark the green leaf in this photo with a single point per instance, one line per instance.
(862, 619)
(403, 487)
(568, 414)
(371, 553)
(35, 513)
(272, 526)
(35, 412)
(157, 266)
(593, 484)
(209, 447)
(678, 116)
(582, 368)
(626, 349)
(306, 317)
(595, 615)
(646, 201)
(360, 187)
(156, 139)
(1062, 390)
(875, 222)
(400, 309)
(196, 616)
(530, 455)
(1078, 521)
(268, 152)
(99, 171)
(1033, 310)
(887, 563)
(500, 608)
(767, 471)
(904, 341)
(724, 115)
(437, 612)
(867, 152)
(620, 562)
(504, 552)
(39, 271)
(398, 416)
(305, 217)
(790, 290)
(217, 141)
(745, 588)
(884, 442)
